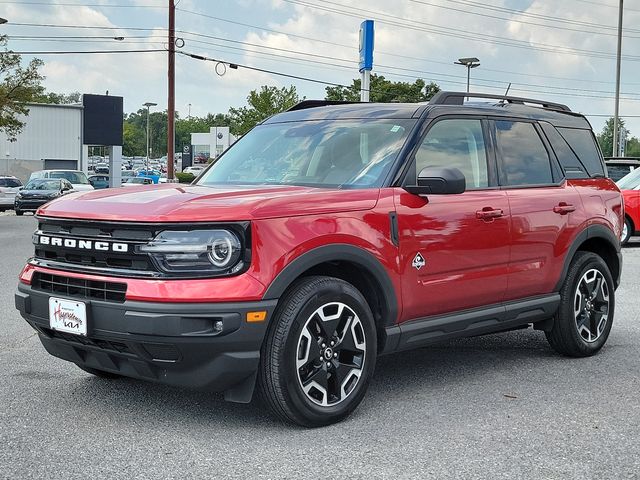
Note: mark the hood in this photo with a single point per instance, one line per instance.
(176, 203)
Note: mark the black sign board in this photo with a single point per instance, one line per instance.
(102, 124)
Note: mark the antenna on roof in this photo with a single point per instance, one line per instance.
(508, 88)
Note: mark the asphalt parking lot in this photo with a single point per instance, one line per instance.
(500, 406)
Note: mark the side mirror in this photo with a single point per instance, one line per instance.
(438, 181)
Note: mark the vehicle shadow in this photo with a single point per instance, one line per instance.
(399, 375)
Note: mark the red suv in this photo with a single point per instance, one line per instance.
(331, 234)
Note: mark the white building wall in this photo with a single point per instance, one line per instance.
(51, 132)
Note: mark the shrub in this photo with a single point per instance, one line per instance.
(185, 177)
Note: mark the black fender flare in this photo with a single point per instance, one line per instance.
(592, 231)
(332, 253)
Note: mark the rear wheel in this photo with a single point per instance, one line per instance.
(19, 213)
(583, 321)
(99, 373)
(319, 353)
(627, 231)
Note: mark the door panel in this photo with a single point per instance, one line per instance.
(465, 257)
(544, 221)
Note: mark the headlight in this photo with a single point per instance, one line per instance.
(196, 251)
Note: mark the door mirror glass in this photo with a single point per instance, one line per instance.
(438, 181)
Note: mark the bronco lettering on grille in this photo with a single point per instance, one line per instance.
(83, 244)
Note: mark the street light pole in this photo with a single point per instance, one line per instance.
(618, 61)
(148, 105)
(469, 62)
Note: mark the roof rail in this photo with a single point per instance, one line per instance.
(303, 105)
(457, 98)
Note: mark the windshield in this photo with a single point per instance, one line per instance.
(629, 181)
(73, 177)
(43, 185)
(349, 153)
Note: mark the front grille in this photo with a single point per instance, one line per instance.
(79, 287)
(118, 347)
(129, 263)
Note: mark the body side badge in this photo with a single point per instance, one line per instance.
(418, 261)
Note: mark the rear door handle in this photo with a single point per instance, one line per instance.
(563, 208)
(489, 213)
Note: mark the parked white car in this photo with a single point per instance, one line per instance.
(194, 170)
(76, 178)
(9, 187)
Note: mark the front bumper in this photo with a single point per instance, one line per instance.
(30, 205)
(172, 343)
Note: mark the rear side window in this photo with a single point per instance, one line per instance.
(523, 157)
(584, 146)
(571, 165)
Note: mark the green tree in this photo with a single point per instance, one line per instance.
(262, 104)
(59, 98)
(18, 86)
(605, 138)
(633, 147)
(385, 91)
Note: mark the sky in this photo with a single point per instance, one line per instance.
(554, 50)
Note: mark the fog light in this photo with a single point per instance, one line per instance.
(217, 326)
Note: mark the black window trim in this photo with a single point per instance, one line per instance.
(562, 169)
(550, 154)
(405, 167)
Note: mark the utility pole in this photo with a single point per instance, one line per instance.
(189, 116)
(171, 108)
(618, 62)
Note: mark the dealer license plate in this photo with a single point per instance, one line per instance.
(68, 316)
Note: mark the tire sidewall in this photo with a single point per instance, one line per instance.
(585, 263)
(625, 239)
(338, 291)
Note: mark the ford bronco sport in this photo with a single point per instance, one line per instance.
(331, 234)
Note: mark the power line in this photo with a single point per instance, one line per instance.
(449, 32)
(263, 70)
(91, 5)
(485, 15)
(74, 52)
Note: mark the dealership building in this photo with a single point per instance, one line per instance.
(211, 144)
(59, 136)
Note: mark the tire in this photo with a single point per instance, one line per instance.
(99, 373)
(19, 213)
(583, 320)
(315, 312)
(627, 231)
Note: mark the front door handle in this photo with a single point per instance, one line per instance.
(489, 213)
(563, 208)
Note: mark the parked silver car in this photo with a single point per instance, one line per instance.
(9, 186)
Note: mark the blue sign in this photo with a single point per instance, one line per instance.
(366, 45)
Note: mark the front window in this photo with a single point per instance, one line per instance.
(345, 153)
(73, 177)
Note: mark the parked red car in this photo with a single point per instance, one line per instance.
(630, 187)
(331, 234)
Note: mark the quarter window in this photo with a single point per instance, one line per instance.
(524, 158)
(456, 143)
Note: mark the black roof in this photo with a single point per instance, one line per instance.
(554, 113)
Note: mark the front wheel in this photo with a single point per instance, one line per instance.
(583, 320)
(319, 353)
